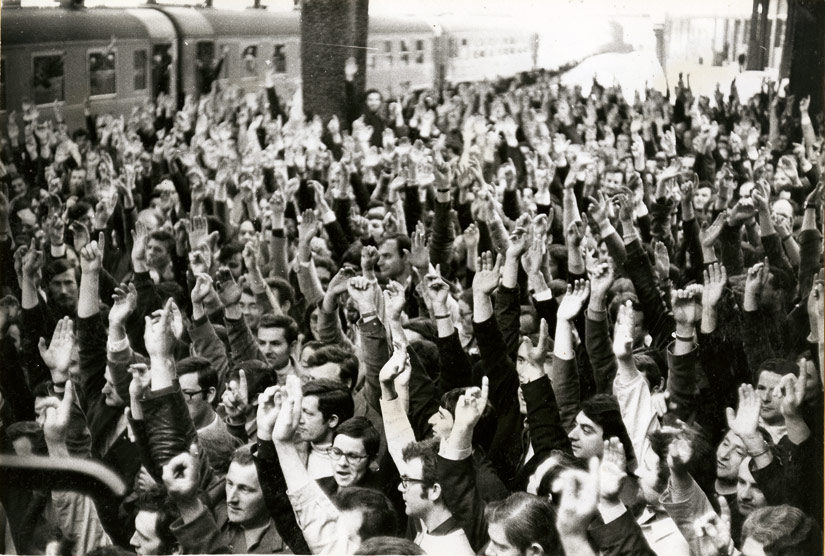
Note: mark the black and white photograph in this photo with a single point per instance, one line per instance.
(442, 277)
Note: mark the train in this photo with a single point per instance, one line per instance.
(118, 57)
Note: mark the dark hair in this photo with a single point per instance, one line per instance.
(110, 550)
(427, 452)
(648, 367)
(30, 430)
(289, 326)
(229, 250)
(782, 530)
(333, 398)
(362, 429)
(486, 426)
(78, 210)
(526, 519)
(345, 359)
(620, 299)
(564, 461)
(325, 262)
(389, 545)
(56, 267)
(42, 389)
(164, 237)
(154, 501)
(207, 375)
(219, 448)
(402, 242)
(284, 290)
(379, 517)
(427, 354)
(603, 409)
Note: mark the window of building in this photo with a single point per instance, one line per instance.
(47, 78)
(419, 52)
(139, 64)
(405, 54)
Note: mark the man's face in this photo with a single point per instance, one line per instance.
(246, 232)
(374, 101)
(442, 423)
(391, 264)
(587, 438)
(18, 186)
(235, 265)
(77, 181)
(197, 399)
(748, 495)
(612, 180)
(250, 310)
(764, 389)
(157, 254)
(729, 454)
(313, 427)
(244, 499)
(274, 346)
(146, 540)
(701, 198)
(110, 395)
(353, 464)
(415, 495)
(63, 290)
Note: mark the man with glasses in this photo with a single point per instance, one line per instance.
(198, 383)
(432, 526)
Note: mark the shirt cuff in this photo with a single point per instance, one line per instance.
(545, 295)
(115, 346)
(453, 454)
(328, 217)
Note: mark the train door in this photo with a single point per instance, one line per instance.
(162, 71)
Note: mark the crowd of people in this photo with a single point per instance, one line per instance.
(499, 318)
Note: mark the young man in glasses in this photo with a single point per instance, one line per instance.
(431, 524)
(198, 383)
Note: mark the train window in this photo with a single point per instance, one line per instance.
(279, 58)
(453, 48)
(139, 63)
(371, 61)
(102, 73)
(419, 55)
(780, 29)
(387, 46)
(249, 60)
(161, 68)
(405, 53)
(2, 83)
(47, 76)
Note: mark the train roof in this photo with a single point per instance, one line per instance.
(202, 22)
(28, 25)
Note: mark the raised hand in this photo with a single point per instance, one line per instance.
(471, 404)
(141, 381)
(532, 367)
(235, 399)
(597, 210)
(715, 279)
(158, 334)
(579, 498)
(437, 289)
(203, 285)
(124, 302)
(713, 531)
(363, 292)
(290, 413)
(518, 243)
(58, 355)
(338, 284)
(395, 300)
(181, 476)
(533, 258)
(228, 289)
(687, 305)
(612, 469)
(745, 420)
(369, 258)
(91, 256)
(269, 405)
(573, 301)
(487, 273)
(394, 366)
(710, 235)
(623, 331)
(57, 419)
(791, 394)
(679, 453)
(139, 237)
(419, 256)
(308, 228)
(755, 282)
(662, 260)
(32, 262)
